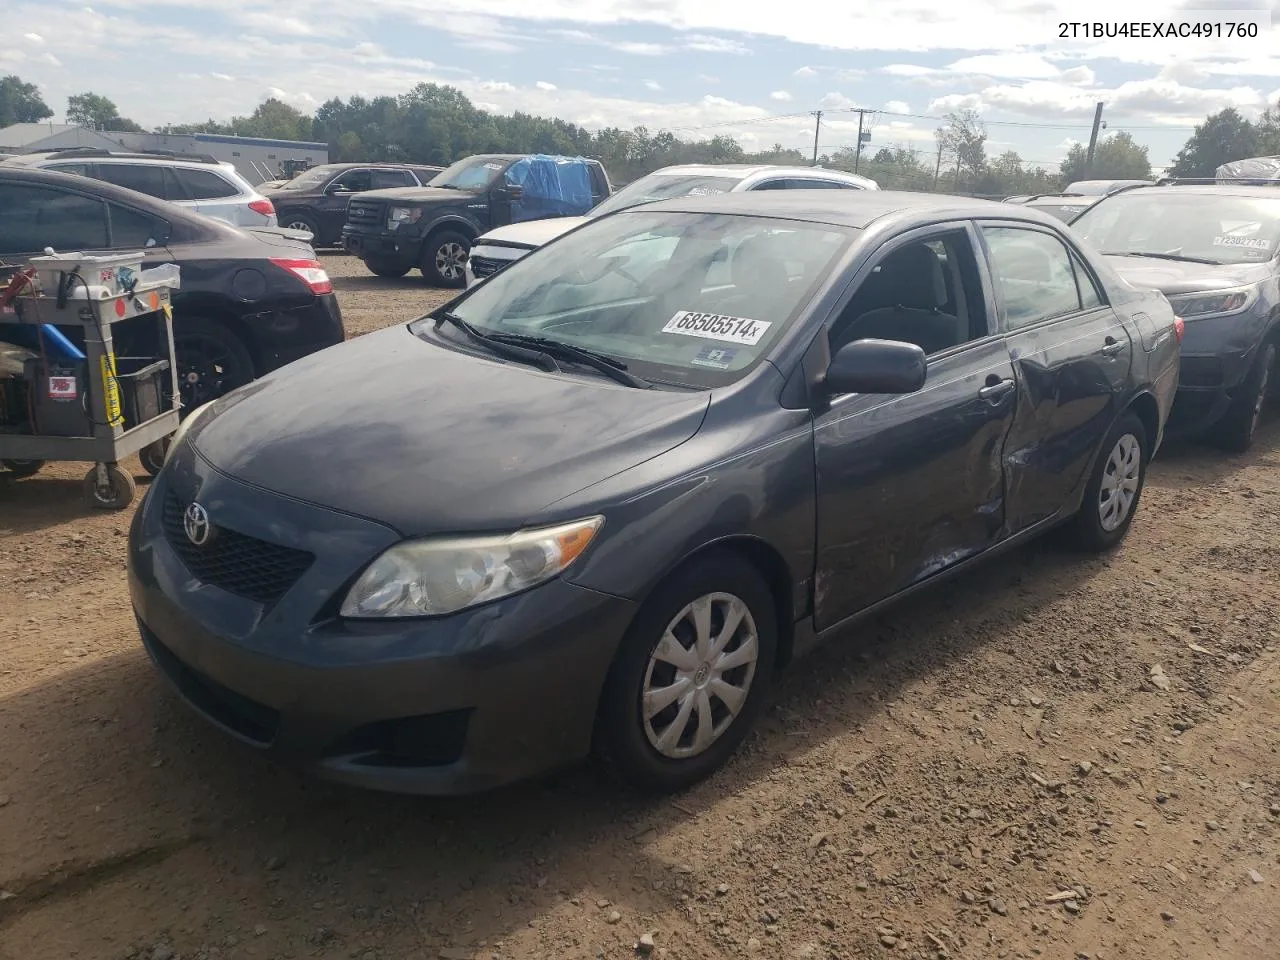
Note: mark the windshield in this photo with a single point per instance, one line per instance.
(312, 179)
(663, 187)
(689, 299)
(1065, 212)
(474, 173)
(1218, 227)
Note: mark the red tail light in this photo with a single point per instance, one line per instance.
(264, 207)
(309, 272)
(1179, 328)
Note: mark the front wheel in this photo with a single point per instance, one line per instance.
(691, 675)
(1111, 498)
(302, 221)
(1240, 424)
(444, 259)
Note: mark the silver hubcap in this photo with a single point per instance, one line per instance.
(1263, 386)
(450, 259)
(1120, 482)
(300, 226)
(699, 675)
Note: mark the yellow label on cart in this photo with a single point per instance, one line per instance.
(111, 390)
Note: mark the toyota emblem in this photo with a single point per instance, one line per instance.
(196, 524)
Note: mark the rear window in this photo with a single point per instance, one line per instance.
(204, 184)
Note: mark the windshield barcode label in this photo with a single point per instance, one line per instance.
(718, 326)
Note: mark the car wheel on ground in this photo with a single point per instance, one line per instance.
(23, 468)
(211, 360)
(1111, 498)
(1240, 424)
(300, 221)
(387, 268)
(444, 258)
(691, 674)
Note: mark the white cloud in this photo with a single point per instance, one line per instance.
(33, 38)
(544, 85)
(640, 49)
(502, 86)
(953, 102)
(222, 76)
(705, 78)
(779, 95)
(805, 72)
(1080, 76)
(908, 70)
(705, 44)
(50, 59)
(898, 106)
(1016, 66)
(653, 85)
(836, 101)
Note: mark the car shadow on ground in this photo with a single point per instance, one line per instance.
(42, 501)
(154, 787)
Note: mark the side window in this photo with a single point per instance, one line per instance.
(1033, 274)
(925, 292)
(356, 181)
(79, 169)
(382, 179)
(131, 229)
(1090, 297)
(148, 179)
(771, 185)
(804, 183)
(32, 218)
(204, 184)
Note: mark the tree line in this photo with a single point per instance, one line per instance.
(438, 124)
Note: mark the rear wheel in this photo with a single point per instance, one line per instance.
(302, 221)
(690, 676)
(1111, 498)
(1240, 424)
(211, 359)
(387, 268)
(444, 258)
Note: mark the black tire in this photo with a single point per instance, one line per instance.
(23, 468)
(212, 360)
(623, 735)
(387, 268)
(1237, 428)
(153, 456)
(1088, 530)
(441, 264)
(116, 495)
(303, 221)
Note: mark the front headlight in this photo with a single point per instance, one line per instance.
(427, 578)
(187, 423)
(1191, 306)
(399, 215)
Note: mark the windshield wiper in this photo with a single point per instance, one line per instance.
(502, 348)
(609, 366)
(1160, 256)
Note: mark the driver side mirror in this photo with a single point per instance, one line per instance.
(877, 366)
(515, 192)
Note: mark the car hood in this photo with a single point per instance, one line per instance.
(531, 233)
(426, 439)
(419, 195)
(1173, 277)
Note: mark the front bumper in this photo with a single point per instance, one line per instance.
(389, 247)
(451, 705)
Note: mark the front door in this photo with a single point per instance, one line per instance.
(333, 205)
(1072, 356)
(910, 485)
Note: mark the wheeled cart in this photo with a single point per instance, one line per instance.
(89, 405)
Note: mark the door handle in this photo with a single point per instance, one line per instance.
(1112, 347)
(994, 391)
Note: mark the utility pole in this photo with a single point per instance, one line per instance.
(857, 153)
(817, 127)
(1093, 140)
(937, 167)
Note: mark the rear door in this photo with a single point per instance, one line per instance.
(1071, 354)
(911, 485)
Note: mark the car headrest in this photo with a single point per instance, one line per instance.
(914, 278)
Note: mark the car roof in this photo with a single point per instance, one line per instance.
(845, 208)
(745, 170)
(106, 191)
(1205, 189)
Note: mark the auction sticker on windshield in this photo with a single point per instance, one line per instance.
(718, 326)
(1257, 242)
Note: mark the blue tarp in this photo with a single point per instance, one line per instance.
(553, 187)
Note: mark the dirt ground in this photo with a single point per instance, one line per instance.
(1051, 757)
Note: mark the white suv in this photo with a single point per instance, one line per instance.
(207, 186)
(498, 248)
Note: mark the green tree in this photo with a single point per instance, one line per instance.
(964, 140)
(1115, 157)
(1223, 137)
(21, 102)
(274, 119)
(97, 112)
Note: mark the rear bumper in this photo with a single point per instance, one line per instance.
(288, 334)
(1206, 387)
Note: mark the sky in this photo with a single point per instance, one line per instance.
(751, 69)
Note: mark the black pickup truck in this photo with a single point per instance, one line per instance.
(432, 227)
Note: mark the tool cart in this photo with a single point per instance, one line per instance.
(64, 393)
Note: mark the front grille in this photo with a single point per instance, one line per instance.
(1200, 372)
(234, 562)
(486, 266)
(364, 213)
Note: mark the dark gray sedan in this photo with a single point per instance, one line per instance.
(601, 498)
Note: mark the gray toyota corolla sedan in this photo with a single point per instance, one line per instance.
(600, 499)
